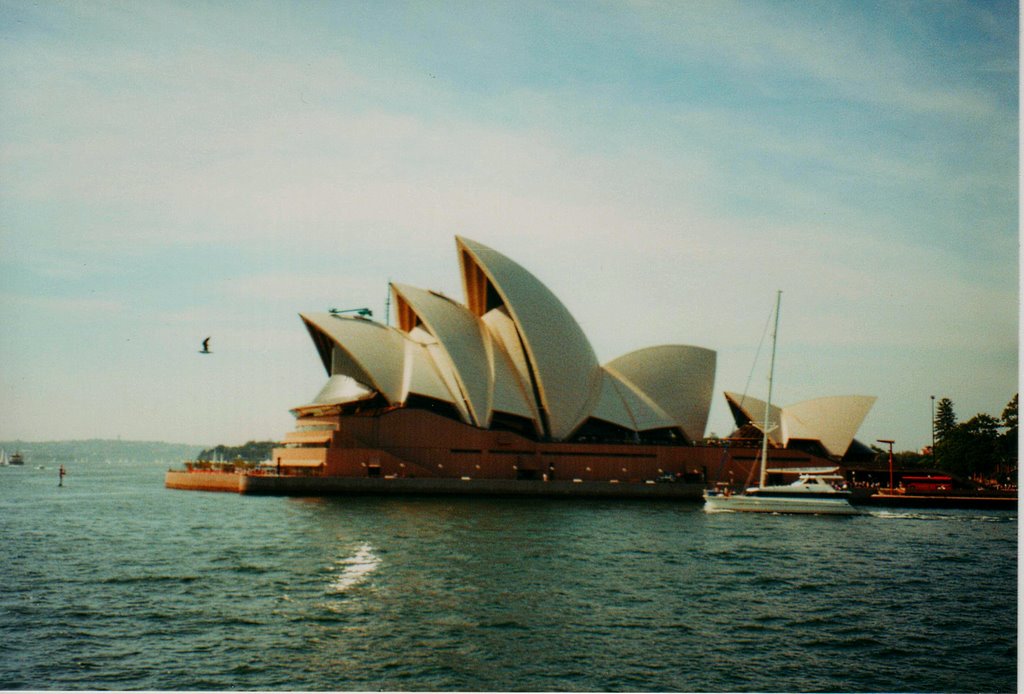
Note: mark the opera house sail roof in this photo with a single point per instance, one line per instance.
(511, 356)
(832, 421)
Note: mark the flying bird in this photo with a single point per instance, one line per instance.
(206, 347)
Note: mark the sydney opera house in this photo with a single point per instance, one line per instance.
(505, 389)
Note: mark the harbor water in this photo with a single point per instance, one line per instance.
(114, 582)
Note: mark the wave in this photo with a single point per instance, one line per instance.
(355, 569)
(160, 578)
(956, 516)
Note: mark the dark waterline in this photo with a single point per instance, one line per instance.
(113, 582)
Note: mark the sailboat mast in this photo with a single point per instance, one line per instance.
(768, 403)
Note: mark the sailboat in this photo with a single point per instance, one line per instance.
(819, 491)
(4, 460)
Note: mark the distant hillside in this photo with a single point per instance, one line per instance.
(101, 450)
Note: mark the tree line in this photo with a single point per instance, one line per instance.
(982, 448)
(250, 451)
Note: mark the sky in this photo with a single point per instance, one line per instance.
(176, 170)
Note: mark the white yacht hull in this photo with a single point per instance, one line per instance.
(750, 503)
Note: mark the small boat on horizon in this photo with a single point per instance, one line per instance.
(16, 459)
(814, 491)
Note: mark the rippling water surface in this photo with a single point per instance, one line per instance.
(115, 582)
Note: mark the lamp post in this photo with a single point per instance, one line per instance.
(933, 431)
(890, 442)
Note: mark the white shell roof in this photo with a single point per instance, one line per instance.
(610, 406)
(753, 408)
(513, 349)
(564, 367)
(422, 376)
(679, 378)
(369, 352)
(377, 356)
(505, 337)
(461, 336)
(624, 405)
(508, 393)
(339, 389)
(833, 421)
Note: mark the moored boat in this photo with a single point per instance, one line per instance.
(814, 491)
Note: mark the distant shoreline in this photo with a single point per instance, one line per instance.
(100, 450)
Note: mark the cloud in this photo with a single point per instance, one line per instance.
(877, 55)
(94, 307)
(663, 167)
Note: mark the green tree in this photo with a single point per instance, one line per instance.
(944, 423)
(983, 447)
(1008, 439)
(945, 419)
(971, 449)
(984, 455)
